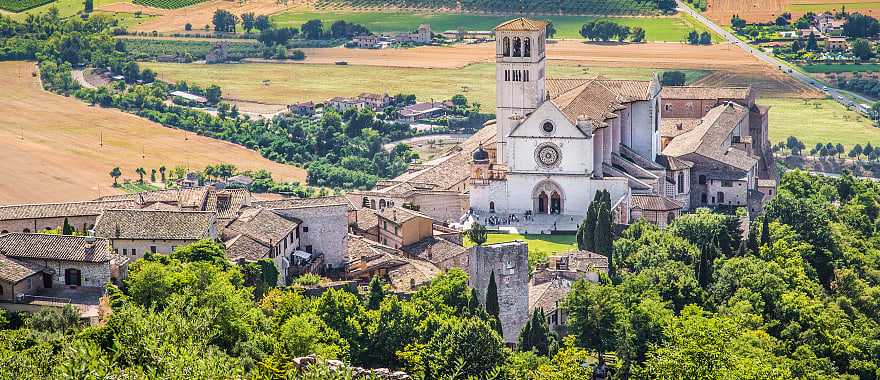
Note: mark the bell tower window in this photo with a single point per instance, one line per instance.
(527, 47)
(517, 47)
(505, 47)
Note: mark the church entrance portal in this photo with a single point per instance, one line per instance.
(548, 198)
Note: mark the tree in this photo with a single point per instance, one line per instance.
(377, 294)
(148, 76)
(839, 149)
(116, 173)
(705, 38)
(737, 23)
(492, 306)
(202, 251)
(782, 21)
(152, 175)
(638, 34)
(89, 6)
(550, 29)
(861, 48)
(140, 172)
(672, 78)
(224, 21)
(595, 315)
(213, 94)
(248, 21)
(693, 37)
(459, 100)
(812, 43)
(313, 29)
(162, 170)
(535, 335)
(188, 27)
(765, 231)
(477, 234)
(262, 23)
(858, 25)
(603, 242)
(666, 5)
(67, 229)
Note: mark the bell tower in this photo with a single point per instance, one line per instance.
(519, 75)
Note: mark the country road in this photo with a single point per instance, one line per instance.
(844, 98)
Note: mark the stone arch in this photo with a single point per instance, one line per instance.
(505, 46)
(544, 194)
(491, 206)
(527, 47)
(517, 47)
(721, 197)
(382, 204)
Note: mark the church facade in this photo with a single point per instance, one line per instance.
(558, 141)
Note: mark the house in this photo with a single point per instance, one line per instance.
(218, 54)
(240, 181)
(480, 35)
(836, 44)
(655, 209)
(367, 259)
(49, 216)
(399, 226)
(189, 97)
(323, 225)
(302, 108)
(258, 233)
(420, 111)
(375, 101)
(366, 42)
(828, 25)
(342, 104)
(552, 281)
(422, 36)
(133, 233)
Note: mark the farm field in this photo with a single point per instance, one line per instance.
(21, 5)
(721, 11)
(60, 157)
(672, 28)
(822, 68)
(818, 120)
(199, 15)
(282, 84)
(168, 4)
(66, 8)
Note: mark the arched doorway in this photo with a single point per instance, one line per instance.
(548, 198)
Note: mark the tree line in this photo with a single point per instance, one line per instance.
(605, 30)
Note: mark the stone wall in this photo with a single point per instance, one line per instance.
(136, 249)
(80, 223)
(94, 275)
(510, 264)
(325, 229)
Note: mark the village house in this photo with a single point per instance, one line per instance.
(376, 102)
(828, 25)
(302, 108)
(258, 233)
(421, 111)
(341, 104)
(323, 225)
(133, 233)
(49, 216)
(552, 281)
(836, 44)
(366, 41)
(422, 36)
(367, 259)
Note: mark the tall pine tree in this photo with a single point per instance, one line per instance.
(539, 333)
(67, 229)
(765, 231)
(492, 307)
(603, 241)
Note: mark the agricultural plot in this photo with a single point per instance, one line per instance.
(66, 8)
(21, 5)
(672, 28)
(582, 7)
(721, 11)
(168, 4)
(818, 121)
(823, 68)
(145, 49)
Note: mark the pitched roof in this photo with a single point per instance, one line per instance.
(54, 247)
(227, 203)
(434, 249)
(60, 210)
(709, 138)
(367, 219)
(591, 101)
(290, 203)
(412, 274)
(400, 215)
(674, 127)
(262, 224)
(701, 92)
(655, 202)
(13, 271)
(243, 247)
(521, 25)
(155, 224)
(674, 163)
(548, 295)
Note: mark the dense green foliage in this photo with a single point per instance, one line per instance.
(145, 48)
(795, 300)
(21, 5)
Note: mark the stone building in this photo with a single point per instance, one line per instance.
(65, 261)
(28, 218)
(132, 233)
(323, 224)
(258, 233)
(552, 281)
(509, 263)
(405, 274)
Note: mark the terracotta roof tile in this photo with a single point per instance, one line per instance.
(709, 137)
(400, 215)
(13, 271)
(655, 203)
(434, 249)
(700, 92)
(521, 25)
(243, 247)
(290, 203)
(262, 224)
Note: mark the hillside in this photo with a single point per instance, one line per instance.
(61, 157)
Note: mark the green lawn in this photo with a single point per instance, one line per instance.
(540, 246)
(822, 7)
(135, 187)
(301, 82)
(841, 68)
(66, 8)
(818, 121)
(674, 28)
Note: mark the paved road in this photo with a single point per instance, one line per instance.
(846, 99)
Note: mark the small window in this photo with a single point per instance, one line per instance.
(667, 106)
(506, 47)
(305, 229)
(703, 198)
(517, 47)
(309, 249)
(1, 289)
(526, 75)
(726, 184)
(527, 47)
(27, 231)
(153, 248)
(547, 127)
(133, 251)
(30, 283)
(125, 251)
(701, 180)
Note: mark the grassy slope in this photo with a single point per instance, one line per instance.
(298, 82)
(818, 121)
(657, 28)
(823, 68)
(822, 7)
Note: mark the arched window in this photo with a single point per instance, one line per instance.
(491, 206)
(527, 47)
(373, 204)
(505, 47)
(366, 202)
(517, 47)
(680, 182)
(526, 75)
(381, 203)
(701, 180)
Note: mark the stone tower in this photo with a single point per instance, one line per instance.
(510, 263)
(519, 74)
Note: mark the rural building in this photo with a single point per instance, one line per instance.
(399, 226)
(377, 102)
(342, 104)
(218, 54)
(258, 233)
(479, 35)
(302, 108)
(366, 42)
(189, 97)
(323, 225)
(367, 258)
(836, 44)
(66, 261)
(655, 209)
(133, 233)
(49, 216)
(827, 24)
(421, 111)
(552, 281)
(422, 36)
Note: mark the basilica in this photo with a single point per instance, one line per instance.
(657, 150)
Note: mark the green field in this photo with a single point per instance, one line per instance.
(288, 83)
(21, 5)
(841, 68)
(540, 246)
(66, 8)
(814, 121)
(673, 28)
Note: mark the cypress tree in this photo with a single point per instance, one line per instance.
(492, 306)
(590, 221)
(525, 337)
(603, 242)
(539, 339)
(765, 230)
(377, 294)
(473, 302)
(67, 229)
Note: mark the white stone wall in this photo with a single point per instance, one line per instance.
(641, 130)
(325, 229)
(578, 191)
(736, 195)
(124, 247)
